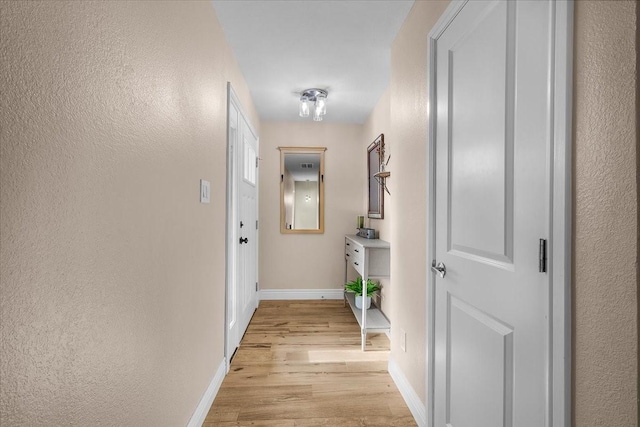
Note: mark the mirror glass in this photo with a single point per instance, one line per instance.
(375, 155)
(302, 189)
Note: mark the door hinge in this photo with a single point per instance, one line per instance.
(281, 178)
(542, 256)
(257, 161)
(257, 287)
(256, 224)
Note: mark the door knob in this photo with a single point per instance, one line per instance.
(440, 269)
(244, 240)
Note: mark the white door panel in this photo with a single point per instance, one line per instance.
(247, 215)
(492, 166)
(478, 339)
(480, 143)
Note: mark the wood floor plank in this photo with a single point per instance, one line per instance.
(300, 364)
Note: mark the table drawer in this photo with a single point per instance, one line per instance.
(348, 246)
(358, 265)
(354, 251)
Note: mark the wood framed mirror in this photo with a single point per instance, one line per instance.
(302, 190)
(375, 156)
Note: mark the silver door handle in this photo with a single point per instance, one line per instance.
(440, 269)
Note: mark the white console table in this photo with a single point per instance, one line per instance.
(371, 259)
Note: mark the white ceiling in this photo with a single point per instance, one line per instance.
(284, 47)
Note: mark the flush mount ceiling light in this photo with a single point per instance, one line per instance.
(319, 99)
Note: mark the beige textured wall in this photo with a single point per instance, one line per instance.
(605, 202)
(112, 272)
(408, 136)
(377, 123)
(309, 261)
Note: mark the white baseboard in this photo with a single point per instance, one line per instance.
(300, 294)
(416, 406)
(209, 395)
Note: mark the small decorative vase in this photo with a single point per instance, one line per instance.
(359, 302)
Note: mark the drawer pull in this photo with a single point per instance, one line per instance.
(356, 263)
(347, 255)
(348, 244)
(356, 250)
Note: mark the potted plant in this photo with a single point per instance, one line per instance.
(355, 286)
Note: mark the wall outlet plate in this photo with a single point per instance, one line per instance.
(205, 191)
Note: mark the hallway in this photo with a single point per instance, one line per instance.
(300, 364)
(115, 219)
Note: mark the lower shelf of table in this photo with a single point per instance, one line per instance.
(376, 322)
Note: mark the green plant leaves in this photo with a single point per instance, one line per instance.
(355, 286)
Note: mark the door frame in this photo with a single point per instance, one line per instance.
(231, 237)
(560, 214)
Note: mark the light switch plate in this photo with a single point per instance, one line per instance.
(205, 191)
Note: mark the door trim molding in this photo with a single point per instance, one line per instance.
(231, 215)
(230, 236)
(560, 212)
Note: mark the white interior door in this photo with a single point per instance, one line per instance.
(493, 127)
(247, 226)
(242, 213)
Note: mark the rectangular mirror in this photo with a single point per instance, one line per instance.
(302, 190)
(375, 155)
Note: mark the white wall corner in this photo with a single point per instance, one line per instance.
(300, 294)
(199, 415)
(411, 398)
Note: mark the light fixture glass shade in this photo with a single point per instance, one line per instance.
(321, 104)
(304, 107)
(313, 99)
(317, 117)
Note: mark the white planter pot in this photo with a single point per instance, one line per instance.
(359, 302)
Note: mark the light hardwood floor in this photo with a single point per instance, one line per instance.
(300, 364)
